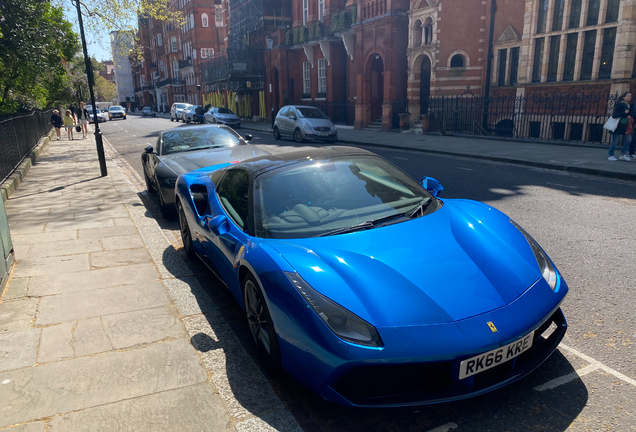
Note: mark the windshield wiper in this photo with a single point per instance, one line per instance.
(364, 225)
(200, 148)
(421, 206)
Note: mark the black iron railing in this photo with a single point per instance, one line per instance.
(564, 117)
(19, 134)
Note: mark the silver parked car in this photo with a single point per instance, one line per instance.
(304, 122)
(222, 116)
(176, 111)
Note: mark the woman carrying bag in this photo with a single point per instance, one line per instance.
(621, 112)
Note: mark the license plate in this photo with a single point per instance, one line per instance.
(323, 133)
(495, 357)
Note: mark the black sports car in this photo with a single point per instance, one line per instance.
(181, 150)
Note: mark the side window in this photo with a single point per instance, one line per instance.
(283, 112)
(233, 192)
(291, 112)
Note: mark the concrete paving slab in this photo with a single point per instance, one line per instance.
(90, 280)
(22, 252)
(169, 263)
(18, 349)
(189, 296)
(28, 427)
(57, 388)
(43, 237)
(142, 327)
(107, 232)
(57, 343)
(119, 258)
(190, 409)
(83, 224)
(107, 301)
(52, 265)
(65, 247)
(131, 241)
(17, 315)
(126, 221)
(89, 338)
(16, 288)
(280, 421)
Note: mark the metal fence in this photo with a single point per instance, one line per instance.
(578, 118)
(19, 134)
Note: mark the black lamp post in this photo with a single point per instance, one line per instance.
(270, 45)
(89, 74)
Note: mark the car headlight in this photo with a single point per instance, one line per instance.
(344, 324)
(545, 265)
(333, 127)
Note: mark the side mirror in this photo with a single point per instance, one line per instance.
(219, 225)
(248, 137)
(149, 149)
(293, 118)
(431, 185)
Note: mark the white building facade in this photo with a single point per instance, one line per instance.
(121, 43)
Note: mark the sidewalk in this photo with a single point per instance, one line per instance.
(103, 324)
(579, 158)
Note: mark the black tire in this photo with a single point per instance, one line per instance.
(298, 136)
(276, 133)
(149, 187)
(186, 235)
(261, 325)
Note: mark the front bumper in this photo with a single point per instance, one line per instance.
(231, 123)
(320, 136)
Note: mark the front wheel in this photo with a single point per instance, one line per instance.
(261, 326)
(276, 133)
(186, 236)
(298, 136)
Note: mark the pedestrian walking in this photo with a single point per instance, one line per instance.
(57, 123)
(82, 119)
(72, 108)
(621, 112)
(632, 146)
(69, 123)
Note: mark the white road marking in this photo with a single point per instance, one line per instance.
(562, 185)
(593, 366)
(445, 428)
(465, 169)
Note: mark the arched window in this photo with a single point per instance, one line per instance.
(204, 20)
(457, 61)
(428, 31)
(417, 33)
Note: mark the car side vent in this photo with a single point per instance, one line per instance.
(200, 197)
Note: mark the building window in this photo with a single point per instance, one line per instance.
(417, 33)
(175, 68)
(321, 9)
(538, 59)
(191, 21)
(218, 15)
(322, 77)
(612, 11)
(503, 60)
(173, 41)
(204, 20)
(557, 17)
(514, 65)
(306, 80)
(305, 11)
(607, 53)
(457, 61)
(593, 9)
(542, 16)
(570, 56)
(159, 40)
(194, 54)
(204, 53)
(575, 14)
(588, 55)
(161, 65)
(428, 31)
(553, 58)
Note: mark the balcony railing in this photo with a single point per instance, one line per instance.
(170, 81)
(185, 63)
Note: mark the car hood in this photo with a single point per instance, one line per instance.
(461, 261)
(181, 163)
(317, 122)
(227, 116)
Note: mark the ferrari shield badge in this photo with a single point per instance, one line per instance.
(492, 327)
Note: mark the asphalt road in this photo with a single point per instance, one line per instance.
(588, 226)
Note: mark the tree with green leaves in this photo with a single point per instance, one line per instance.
(35, 43)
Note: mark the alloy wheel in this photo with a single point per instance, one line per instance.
(298, 136)
(260, 324)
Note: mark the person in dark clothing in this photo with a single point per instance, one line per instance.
(622, 112)
(56, 120)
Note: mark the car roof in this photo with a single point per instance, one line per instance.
(258, 165)
(205, 126)
(301, 106)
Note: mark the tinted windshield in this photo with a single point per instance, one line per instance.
(315, 197)
(311, 113)
(180, 139)
(179, 106)
(146, 108)
(224, 111)
(193, 107)
(115, 108)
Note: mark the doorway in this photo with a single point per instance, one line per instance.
(377, 87)
(425, 85)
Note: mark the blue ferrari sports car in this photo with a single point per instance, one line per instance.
(364, 284)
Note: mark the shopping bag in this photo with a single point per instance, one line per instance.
(78, 128)
(611, 124)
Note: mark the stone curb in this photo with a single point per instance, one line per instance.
(11, 184)
(554, 166)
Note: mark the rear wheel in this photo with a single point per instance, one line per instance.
(186, 236)
(298, 136)
(276, 133)
(261, 326)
